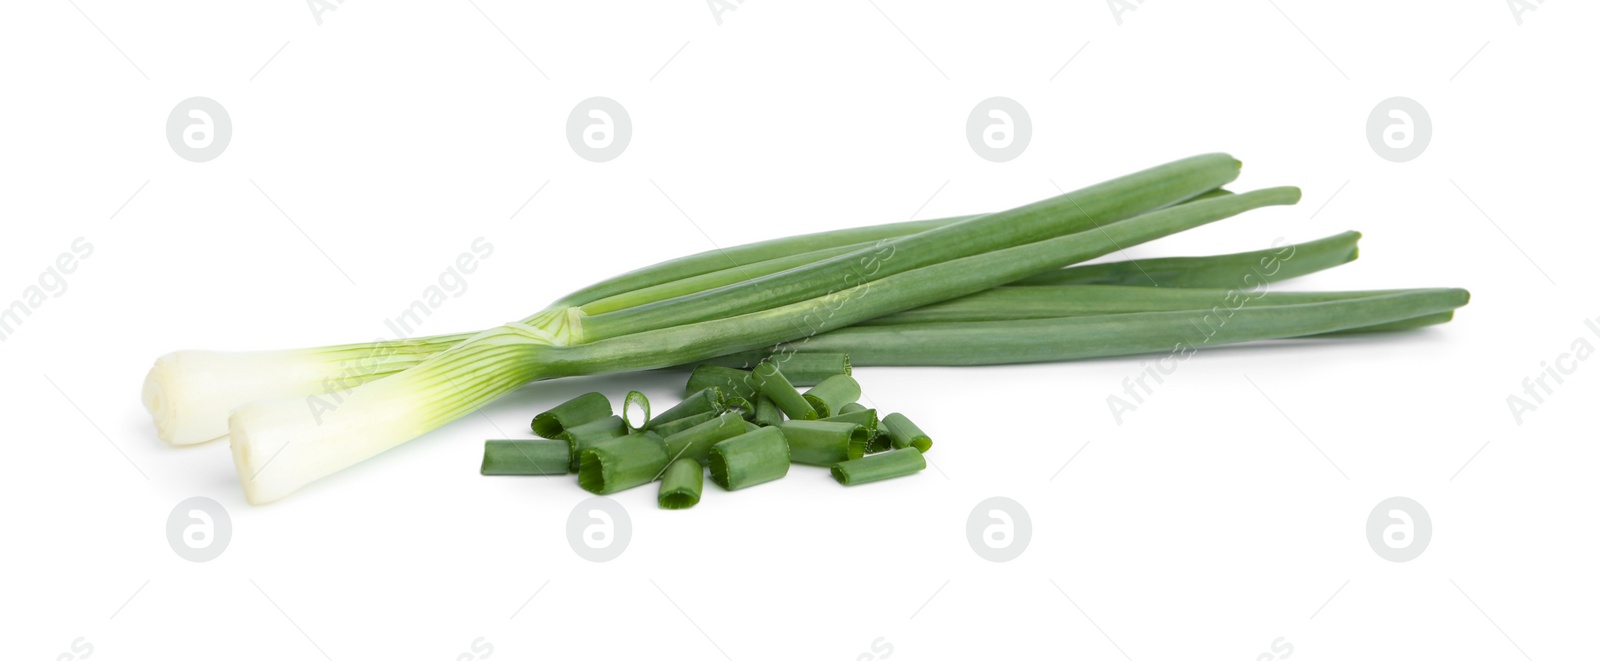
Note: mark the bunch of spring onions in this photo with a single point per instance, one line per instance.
(928, 289)
(746, 427)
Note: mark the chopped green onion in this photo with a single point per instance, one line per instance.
(584, 408)
(834, 392)
(771, 382)
(706, 400)
(807, 369)
(860, 416)
(905, 434)
(681, 424)
(767, 413)
(532, 456)
(621, 463)
(742, 406)
(750, 459)
(695, 442)
(586, 435)
(681, 484)
(731, 382)
(881, 466)
(852, 407)
(636, 406)
(818, 443)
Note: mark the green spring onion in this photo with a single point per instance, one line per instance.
(865, 417)
(705, 400)
(834, 392)
(587, 434)
(681, 485)
(636, 406)
(772, 384)
(852, 407)
(881, 466)
(587, 407)
(526, 457)
(1233, 271)
(670, 428)
(695, 442)
(750, 459)
(767, 413)
(731, 382)
(621, 463)
(905, 434)
(818, 443)
(742, 406)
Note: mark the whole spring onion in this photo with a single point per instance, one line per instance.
(881, 466)
(750, 459)
(681, 485)
(955, 259)
(190, 393)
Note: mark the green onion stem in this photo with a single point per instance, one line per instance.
(1231, 271)
(1092, 208)
(1072, 338)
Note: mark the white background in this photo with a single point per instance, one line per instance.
(1227, 512)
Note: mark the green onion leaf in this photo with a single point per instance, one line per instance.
(681, 485)
(695, 442)
(586, 435)
(882, 466)
(706, 400)
(771, 383)
(621, 463)
(526, 457)
(818, 443)
(587, 407)
(905, 434)
(834, 392)
(636, 407)
(750, 459)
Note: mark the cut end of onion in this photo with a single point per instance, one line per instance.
(171, 397)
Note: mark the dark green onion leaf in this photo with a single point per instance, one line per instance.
(531, 456)
(584, 408)
(750, 459)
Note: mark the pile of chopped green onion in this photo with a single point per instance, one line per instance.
(745, 426)
(988, 289)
